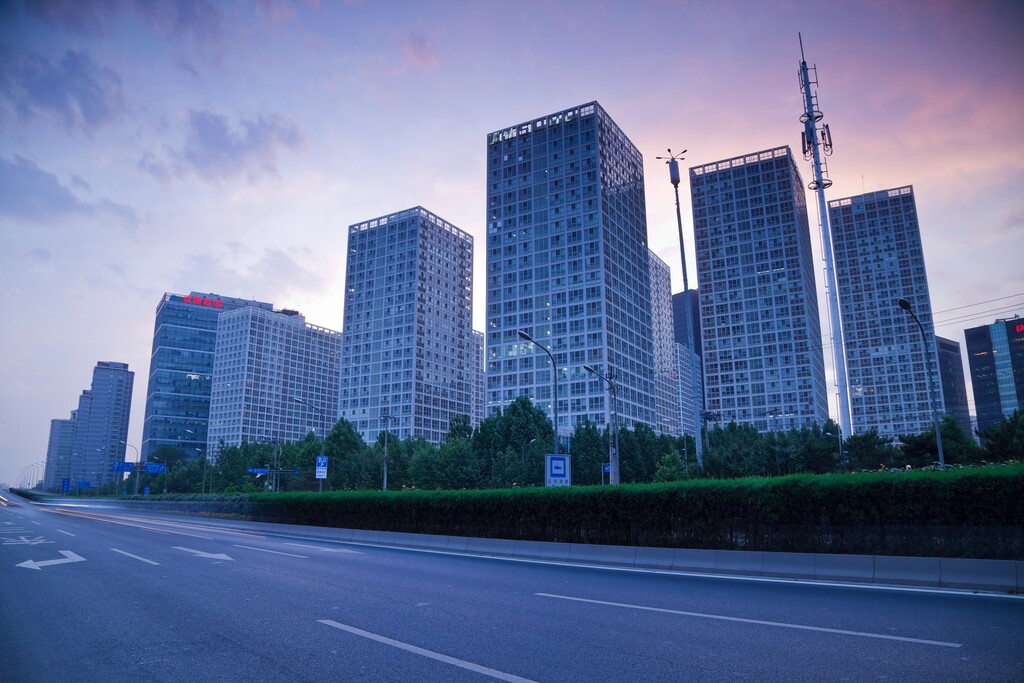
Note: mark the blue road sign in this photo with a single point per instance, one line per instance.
(145, 491)
(82, 484)
(156, 467)
(122, 466)
(556, 470)
(607, 468)
(321, 467)
(259, 470)
(65, 485)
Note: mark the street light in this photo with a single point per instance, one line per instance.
(202, 488)
(138, 465)
(554, 383)
(613, 444)
(905, 305)
(323, 432)
(386, 419)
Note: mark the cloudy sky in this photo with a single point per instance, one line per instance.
(151, 146)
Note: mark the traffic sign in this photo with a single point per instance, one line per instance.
(65, 485)
(122, 466)
(82, 484)
(607, 468)
(156, 467)
(259, 470)
(557, 470)
(321, 467)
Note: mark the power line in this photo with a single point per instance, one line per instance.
(979, 303)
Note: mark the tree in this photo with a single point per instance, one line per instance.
(459, 427)
(1004, 441)
(869, 451)
(459, 466)
(589, 448)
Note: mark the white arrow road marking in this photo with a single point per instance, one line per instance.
(25, 540)
(135, 557)
(200, 553)
(68, 557)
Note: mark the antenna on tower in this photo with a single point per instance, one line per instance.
(816, 144)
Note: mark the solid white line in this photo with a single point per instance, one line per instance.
(461, 663)
(249, 547)
(135, 557)
(65, 532)
(37, 523)
(760, 622)
(326, 550)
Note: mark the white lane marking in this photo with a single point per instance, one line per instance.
(759, 622)
(37, 523)
(326, 550)
(66, 533)
(461, 663)
(200, 553)
(135, 557)
(275, 552)
(68, 557)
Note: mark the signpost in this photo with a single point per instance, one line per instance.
(606, 468)
(259, 471)
(65, 485)
(156, 468)
(321, 470)
(122, 466)
(557, 470)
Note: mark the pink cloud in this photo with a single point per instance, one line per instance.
(419, 52)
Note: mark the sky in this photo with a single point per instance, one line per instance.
(151, 146)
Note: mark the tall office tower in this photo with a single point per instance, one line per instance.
(666, 381)
(763, 361)
(58, 452)
(954, 388)
(685, 360)
(101, 424)
(679, 321)
(275, 378)
(879, 260)
(180, 368)
(995, 354)
(407, 353)
(567, 264)
(477, 406)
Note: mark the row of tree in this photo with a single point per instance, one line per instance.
(508, 451)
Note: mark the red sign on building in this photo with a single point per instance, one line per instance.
(202, 301)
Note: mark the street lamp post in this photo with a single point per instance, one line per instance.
(386, 419)
(554, 384)
(905, 305)
(613, 438)
(138, 465)
(323, 430)
(202, 487)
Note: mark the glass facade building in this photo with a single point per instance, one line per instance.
(685, 360)
(995, 355)
(181, 368)
(876, 240)
(408, 345)
(101, 424)
(568, 263)
(58, 452)
(679, 320)
(761, 333)
(275, 378)
(954, 388)
(666, 381)
(479, 380)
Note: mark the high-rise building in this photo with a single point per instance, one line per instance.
(58, 452)
(181, 367)
(275, 378)
(685, 360)
(101, 424)
(568, 264)
(876, 240)
(763, 361)
(680, 322)
(408, 343)
(995, 355)
(954, 388)
(477, 405)
(666, 381)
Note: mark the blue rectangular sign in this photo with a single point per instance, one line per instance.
(259, 470)
(82, 484)
(557, 470)
(122, 466)
(321, 467)
(65, 485)
(156, 467)
(607, 468)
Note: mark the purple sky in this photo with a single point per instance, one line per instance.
(169, 145)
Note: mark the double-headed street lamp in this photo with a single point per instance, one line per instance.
(613, 438)
(905, 305)
(554, 384)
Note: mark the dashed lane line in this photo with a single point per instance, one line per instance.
(135, 557)
(264, 550)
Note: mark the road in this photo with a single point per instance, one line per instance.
(95, 594)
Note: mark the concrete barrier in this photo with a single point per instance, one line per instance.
(654, 558)
(851, 568)
(788, 565)
(739, 562)
(978, 574)
(911, 571)
(693, 560)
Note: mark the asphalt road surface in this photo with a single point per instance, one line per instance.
(98, 594)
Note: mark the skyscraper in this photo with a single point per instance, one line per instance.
(876, 240)
(763, 361)
(478, 406)
(101, 424)
(275, 378)
(685, 360)
(180, 368)
(680, 322)
(568, 264)
(408, 342)
(666, 379)
(954, 388)
(995, 355)
(58, 452)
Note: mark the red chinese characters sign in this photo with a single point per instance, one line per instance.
(202, 301)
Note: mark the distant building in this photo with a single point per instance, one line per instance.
(568, 264)
(478, 405)
(101, 425)
(879, 260)
(275, 378)
(685, 360)
(995, 354)
(181, 367)
(58, 452)
(679, 321)
(666, 380)
(761, 334)
(408, 350)
(954, 388)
